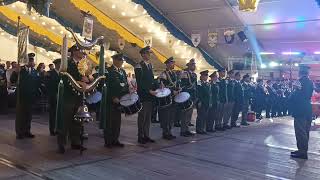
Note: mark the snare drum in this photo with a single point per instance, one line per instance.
(163, 97)
(183, 101)
(130, 104)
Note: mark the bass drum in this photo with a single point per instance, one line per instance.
(130, 104)
(163, 97)
(183, 101)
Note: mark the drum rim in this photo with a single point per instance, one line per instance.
(182, 93)
(164, 89)
(133, 94)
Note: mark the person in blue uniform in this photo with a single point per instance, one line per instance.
(52, 84)
(204, 103)
(27, 90)
(117, 87)
(260, 97)
(302, 112)
(168, 79)
(146, 92)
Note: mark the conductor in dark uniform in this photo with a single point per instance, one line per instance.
(204, 104)
(27, 89)
(71, 101)
(168, 79)
(53, 82)
(117, 87)
(146, 92)
(302, 112)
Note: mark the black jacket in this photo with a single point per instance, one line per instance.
(145, 81)
(52, 83)
(301, 99)
(238, 92)
(117, 83)
(215, 94)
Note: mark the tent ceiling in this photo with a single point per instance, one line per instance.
(217, 15)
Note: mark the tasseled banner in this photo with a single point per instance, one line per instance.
(59, 110)
(103, 108)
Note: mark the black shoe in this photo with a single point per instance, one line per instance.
(141, 141)
(107, 145)
(168, 137)
(61, 150)
(190, 133)
(78, 147)
(29, 135)
(294, 152)
(201, 132)
(226, 127)
(235, 126)
(19, 137)
(147, 139)
(211, 131)
(184, 134)
(299, 156)
(53, 134)
(220, 129)
(118, 144)
(190, 124)
(177, 125)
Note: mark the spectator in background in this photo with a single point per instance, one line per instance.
(3, 90)
(51, 67)
(8, 65)
(9, 73)
(133, 82)
(42, 75)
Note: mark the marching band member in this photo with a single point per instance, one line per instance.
(53, 83)
(117, 87)
(230, 100)
(71, 101)
(204, 104)
(302, 112)
(223, 99)
(27, 90)
(145, 89)
(238, 100)
(246, 99)
(213, 111)
(168, 79)
(188, 84)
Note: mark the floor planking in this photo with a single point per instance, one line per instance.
(260, 151)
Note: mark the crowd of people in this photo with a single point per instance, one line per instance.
(219, 101)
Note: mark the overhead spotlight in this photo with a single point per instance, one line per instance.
(242, 36)
(267, 53)
(263, 66)
(273, 64)
(296, 64)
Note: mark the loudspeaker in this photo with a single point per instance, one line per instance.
(242, 36)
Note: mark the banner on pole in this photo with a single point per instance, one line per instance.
(23, 41)
(87, 28)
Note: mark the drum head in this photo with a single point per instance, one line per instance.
(129, 99)
(163, 92)
(182, 97)
(94, 98)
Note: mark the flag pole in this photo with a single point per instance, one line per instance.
(18, 80)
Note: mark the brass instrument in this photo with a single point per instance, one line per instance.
(82, 115)
(90, 88)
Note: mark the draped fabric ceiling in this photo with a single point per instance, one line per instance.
(109, 22)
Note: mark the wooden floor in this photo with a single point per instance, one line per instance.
(260, 151)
